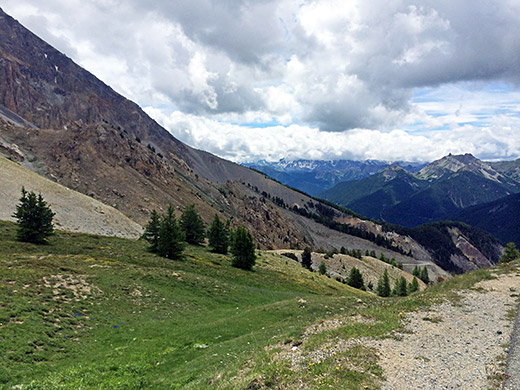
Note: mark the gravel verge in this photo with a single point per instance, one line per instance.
(513, 359)
(460, 345)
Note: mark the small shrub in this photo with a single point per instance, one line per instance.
(322, 269)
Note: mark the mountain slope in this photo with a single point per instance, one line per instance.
(374, 194)
(499, 217)
(510, 169)
(74, 211)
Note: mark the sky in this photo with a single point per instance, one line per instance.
(256, 80)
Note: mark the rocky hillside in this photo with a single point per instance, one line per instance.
(74, 211)
(60, 121)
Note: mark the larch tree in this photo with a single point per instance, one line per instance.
(171, 236)
(218, 235)
(193, 226)
(243, 249)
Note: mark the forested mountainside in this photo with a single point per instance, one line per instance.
(499, 217)
(435, 193)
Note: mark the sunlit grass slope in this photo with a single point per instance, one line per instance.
(95, 312)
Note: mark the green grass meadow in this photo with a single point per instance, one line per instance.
(90, 312)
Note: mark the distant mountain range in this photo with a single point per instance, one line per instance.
(315, 176)
(439, 191)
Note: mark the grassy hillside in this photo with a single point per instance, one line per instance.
(96, 312)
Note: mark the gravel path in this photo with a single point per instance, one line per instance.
(513, 360)
(454, 346)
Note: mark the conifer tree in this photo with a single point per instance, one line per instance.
(383, 285)
(424, 275)
(355, 279)
(193, 226)
(400, 289)
(416, 272)
(243, 249)
(510, 253)
(322, 269)
(414, 285)
(218, 235)
(34, 218)
(307, 258)
(151, 231)
(171, 237)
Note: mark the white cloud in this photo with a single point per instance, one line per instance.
(238, 143)
(323, 69)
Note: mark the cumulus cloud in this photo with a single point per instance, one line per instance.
(327, 69)
(500, 140)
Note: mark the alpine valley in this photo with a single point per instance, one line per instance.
(95, 306)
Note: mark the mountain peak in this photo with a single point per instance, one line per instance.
(392, 171)
(457, 163)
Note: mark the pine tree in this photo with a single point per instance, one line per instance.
(413, 286)
(307, 258)
(322, 269)
(355, 279)
(193, 226)
(416, 272)
(424, 275)
(171, 237)
(383, 285)
(218, 235)
(34, 218)
(243, 249)
(510, 253)
(151, 231)
(400, 289)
